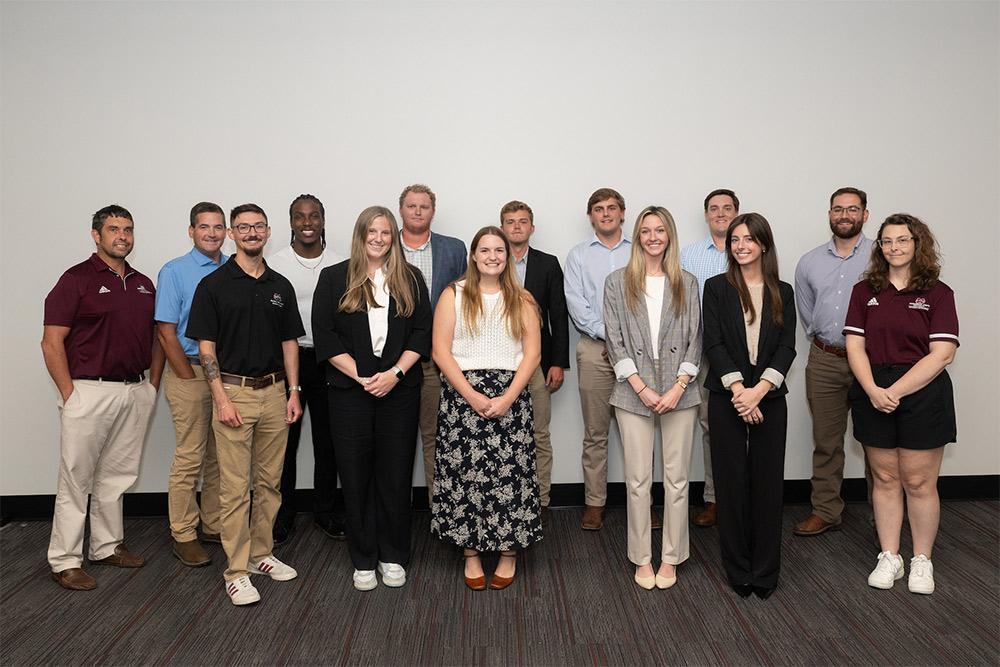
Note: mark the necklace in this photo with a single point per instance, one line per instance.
(305, 264)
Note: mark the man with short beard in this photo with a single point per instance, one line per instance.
(824, 279)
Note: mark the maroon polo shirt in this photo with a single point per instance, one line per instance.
(899, 325)
(110, 319)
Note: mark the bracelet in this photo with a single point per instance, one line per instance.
(296, 387)
(644, 388)
(682, 383)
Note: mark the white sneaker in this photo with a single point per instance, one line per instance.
(887, 572)
(273, 568)
(921, 575)
(393, 574)
(365, 580)
(241, 591)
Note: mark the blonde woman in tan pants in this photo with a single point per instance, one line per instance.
(653, 323)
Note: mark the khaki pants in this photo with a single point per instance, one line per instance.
(541, 402)
(638, 433)
(597, 380)
(103, 425)
(708, 495)
(430, 404)
(251, 453)
(194, 456)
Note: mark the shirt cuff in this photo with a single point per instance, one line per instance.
(772, 376)
(625, 368)
(729, 378)
(687, 368)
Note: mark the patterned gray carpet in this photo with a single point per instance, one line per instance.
(573, 603)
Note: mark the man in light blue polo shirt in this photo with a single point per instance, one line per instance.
(587, 266)
(704, 259)
(187, 392)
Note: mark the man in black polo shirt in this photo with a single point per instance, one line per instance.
(247, 324)
(97, 342)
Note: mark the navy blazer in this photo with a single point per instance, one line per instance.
(725, 336)
(543, 277)
(336, 332)
(449, 260)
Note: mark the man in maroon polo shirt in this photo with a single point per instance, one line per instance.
(98, 341)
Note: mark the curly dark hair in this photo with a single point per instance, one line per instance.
(925, 269)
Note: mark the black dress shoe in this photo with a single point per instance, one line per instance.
(743, 590)
(763, 592)
(283, 530)
(331, 527)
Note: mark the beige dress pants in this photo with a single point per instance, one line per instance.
(597, 380)
(103, 425)
(541, 403)
(638, 433)
(253, 453)
(430, 404)
(194, 457)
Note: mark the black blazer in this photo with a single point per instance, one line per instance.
(336, 332)
(543, 277)
(725, 336)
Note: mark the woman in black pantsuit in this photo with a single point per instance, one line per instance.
(372, 321)
(749, 339)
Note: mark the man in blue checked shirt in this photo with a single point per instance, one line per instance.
(704, 259)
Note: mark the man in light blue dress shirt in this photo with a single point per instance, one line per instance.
(587, 266)
(707, 258)
(824, 280)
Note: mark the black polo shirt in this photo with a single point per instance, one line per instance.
(246, 317)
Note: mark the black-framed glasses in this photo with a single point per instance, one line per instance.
(245, 227)
(850, 210)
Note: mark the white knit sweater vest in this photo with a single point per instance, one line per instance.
(491, 346)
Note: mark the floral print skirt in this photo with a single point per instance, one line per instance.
(485, 487)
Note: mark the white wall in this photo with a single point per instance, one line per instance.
(160, 105)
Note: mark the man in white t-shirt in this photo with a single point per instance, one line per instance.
(301, 263)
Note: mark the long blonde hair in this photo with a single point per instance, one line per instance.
(514, 296)
(399, 276)
(635, 270)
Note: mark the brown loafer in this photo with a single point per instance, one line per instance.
(706, 517)
(813, 525)
(75, 579)
(214, 538)
(498, 583)
(475, 583)
(191, 553)
(593, 517)
(655, 520)
(122, 557)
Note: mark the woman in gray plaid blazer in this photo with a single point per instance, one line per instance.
(653, 322)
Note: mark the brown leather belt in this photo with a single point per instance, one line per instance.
(839, 351)
(252, 383)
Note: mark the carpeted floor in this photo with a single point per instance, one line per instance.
(573, 603)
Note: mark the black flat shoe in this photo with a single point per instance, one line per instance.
(763, 592)
(743, 590)
(283, 530)
(331, 527)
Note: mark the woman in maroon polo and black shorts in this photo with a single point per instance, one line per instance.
(902, 331)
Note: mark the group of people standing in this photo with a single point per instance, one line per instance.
(412, 334)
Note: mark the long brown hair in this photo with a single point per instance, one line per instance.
(760, 231)
(359, 297)
(514, 296)
(925, 269)
(635, 270)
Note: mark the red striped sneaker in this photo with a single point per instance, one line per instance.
(241, 591)
(273, 568)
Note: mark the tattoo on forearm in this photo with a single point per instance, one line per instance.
(210, 366)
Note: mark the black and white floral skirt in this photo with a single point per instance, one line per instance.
(485, 487)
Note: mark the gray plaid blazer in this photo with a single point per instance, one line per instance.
(630, 344)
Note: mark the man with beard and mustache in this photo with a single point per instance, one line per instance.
(247, 323)
(824, 279)
(97, 343)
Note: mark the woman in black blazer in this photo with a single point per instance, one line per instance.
(372, 322)
(749, 339)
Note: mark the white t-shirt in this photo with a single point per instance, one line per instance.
(303, 273)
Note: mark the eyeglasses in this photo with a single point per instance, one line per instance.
(850, 210)
(245, 227)
(901, 242)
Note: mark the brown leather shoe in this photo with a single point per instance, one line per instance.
(544, 516)
(593, 517)
(706, 517)
(499, 583)
(191, 553)
(214, 538)
(475, 583)
(655, 520)
(122, 557)
(75, 579)
(813, 525)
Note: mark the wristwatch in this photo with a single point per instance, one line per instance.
(399, 372)
(296, 387)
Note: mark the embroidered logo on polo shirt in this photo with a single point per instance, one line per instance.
(873, 301)
(276, 300)
(104, 290)
(920, 303)
(142, 290)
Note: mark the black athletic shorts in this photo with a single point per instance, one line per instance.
(924, 420)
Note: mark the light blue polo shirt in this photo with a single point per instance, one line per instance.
(175, 289)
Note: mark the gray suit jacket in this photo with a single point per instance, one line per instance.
(449, 260)
(630, 344)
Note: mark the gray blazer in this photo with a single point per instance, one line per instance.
(630, 344)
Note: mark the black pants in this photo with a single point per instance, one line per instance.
(374, 443)
(748, 465)
(312, 378)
